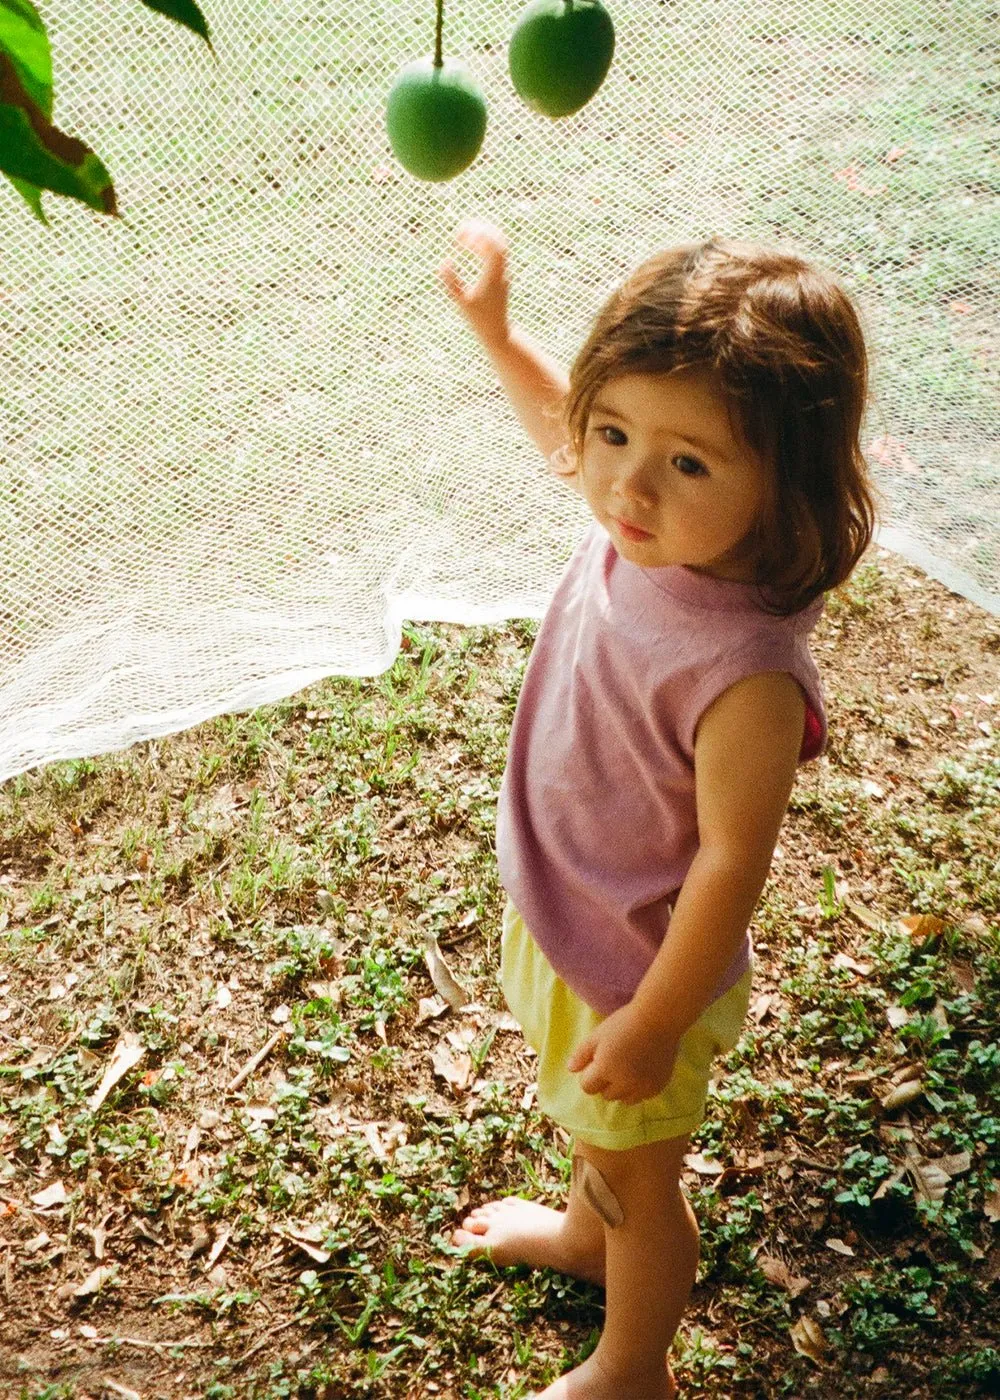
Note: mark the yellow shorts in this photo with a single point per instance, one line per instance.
(555, 1020)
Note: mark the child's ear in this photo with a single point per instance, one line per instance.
(565, 464)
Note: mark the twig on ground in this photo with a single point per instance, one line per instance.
(257, 1059)
(144, 1342)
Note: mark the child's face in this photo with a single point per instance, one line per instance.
(660, 456)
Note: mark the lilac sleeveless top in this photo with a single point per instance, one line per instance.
(596, 825)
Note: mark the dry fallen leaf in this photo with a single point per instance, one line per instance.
(762, 1006)
(839, 1247)
(891, 452)
(704, 1166)
(375, 1142)
(429, 1008)
(777, 1271)
(218, 1247)
(921, 926)
(456, 1070)
(991, 1203)
(307, 1236)
(890, 1181)
(955, 1163)
(191, 1143)
(127, 1054)
(54, 1195)
(808, 1339)
(453, 992)
(845, 960)
(902, 1095)
(930, 1183)
(462, 1038)
(932, 1177)
(326, 991)
(94, 1281)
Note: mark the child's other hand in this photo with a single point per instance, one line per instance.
(484, 303)
(623, 1059)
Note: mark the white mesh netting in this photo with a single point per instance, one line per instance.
(246, 433)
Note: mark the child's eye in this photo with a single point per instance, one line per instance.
(690, 466)
(618, 441)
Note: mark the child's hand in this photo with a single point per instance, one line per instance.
(624, 1059)
(484, 304)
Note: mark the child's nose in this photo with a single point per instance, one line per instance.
(638, 481)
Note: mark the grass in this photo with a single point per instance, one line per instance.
(278, 872)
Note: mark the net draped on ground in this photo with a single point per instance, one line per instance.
(246, 433)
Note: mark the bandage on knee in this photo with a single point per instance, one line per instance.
(596, 1192)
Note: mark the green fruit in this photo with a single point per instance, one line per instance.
(436, 118)
(560, 53)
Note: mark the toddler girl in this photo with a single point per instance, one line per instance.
(711, 423)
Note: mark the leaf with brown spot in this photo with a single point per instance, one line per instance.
(33, 150)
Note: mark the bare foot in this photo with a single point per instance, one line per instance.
(591, 1382)
(515, 1231)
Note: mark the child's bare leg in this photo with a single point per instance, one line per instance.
(651, 1261)
(515, 1231)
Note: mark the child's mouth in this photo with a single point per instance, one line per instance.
(632, 532)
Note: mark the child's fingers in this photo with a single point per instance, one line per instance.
(488, 243)
(479, 234)
(451, 280)
(581, 1056)
(593, 1082)
(464, 297)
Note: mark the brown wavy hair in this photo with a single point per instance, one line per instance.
(785, 346)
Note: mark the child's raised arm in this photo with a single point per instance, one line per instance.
(535, 383)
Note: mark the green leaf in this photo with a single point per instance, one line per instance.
(32, 196)
(32, 149)
(23, 38)
(185, 12)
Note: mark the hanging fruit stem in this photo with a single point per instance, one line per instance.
(439, 25)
